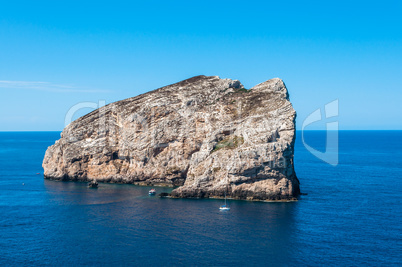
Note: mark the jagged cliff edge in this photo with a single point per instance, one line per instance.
(205, 134)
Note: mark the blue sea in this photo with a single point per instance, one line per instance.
(351, 216)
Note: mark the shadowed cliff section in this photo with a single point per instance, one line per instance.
(205, 134)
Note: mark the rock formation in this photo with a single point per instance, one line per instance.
(205, 134)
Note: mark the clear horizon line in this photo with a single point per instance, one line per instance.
(48, 86)
(16, 131)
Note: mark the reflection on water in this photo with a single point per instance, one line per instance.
(78, 193)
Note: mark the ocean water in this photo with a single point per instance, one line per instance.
(352, 214)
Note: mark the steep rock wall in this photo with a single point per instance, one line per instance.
(205, 134)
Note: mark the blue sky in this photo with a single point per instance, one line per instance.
(55, 54)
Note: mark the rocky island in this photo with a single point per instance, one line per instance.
(204, 135)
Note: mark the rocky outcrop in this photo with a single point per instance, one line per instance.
(205, 134)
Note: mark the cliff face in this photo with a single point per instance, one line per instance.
(205, 134)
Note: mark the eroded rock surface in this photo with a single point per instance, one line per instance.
(205, 134)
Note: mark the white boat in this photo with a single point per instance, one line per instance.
(152, 192)
(224, 207)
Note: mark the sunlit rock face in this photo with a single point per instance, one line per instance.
(205, 135)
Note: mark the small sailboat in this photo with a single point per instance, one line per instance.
(224, 207)
(152, 192)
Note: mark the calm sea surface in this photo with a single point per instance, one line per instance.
(352, 214)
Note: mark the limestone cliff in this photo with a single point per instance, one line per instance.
(205, 134)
